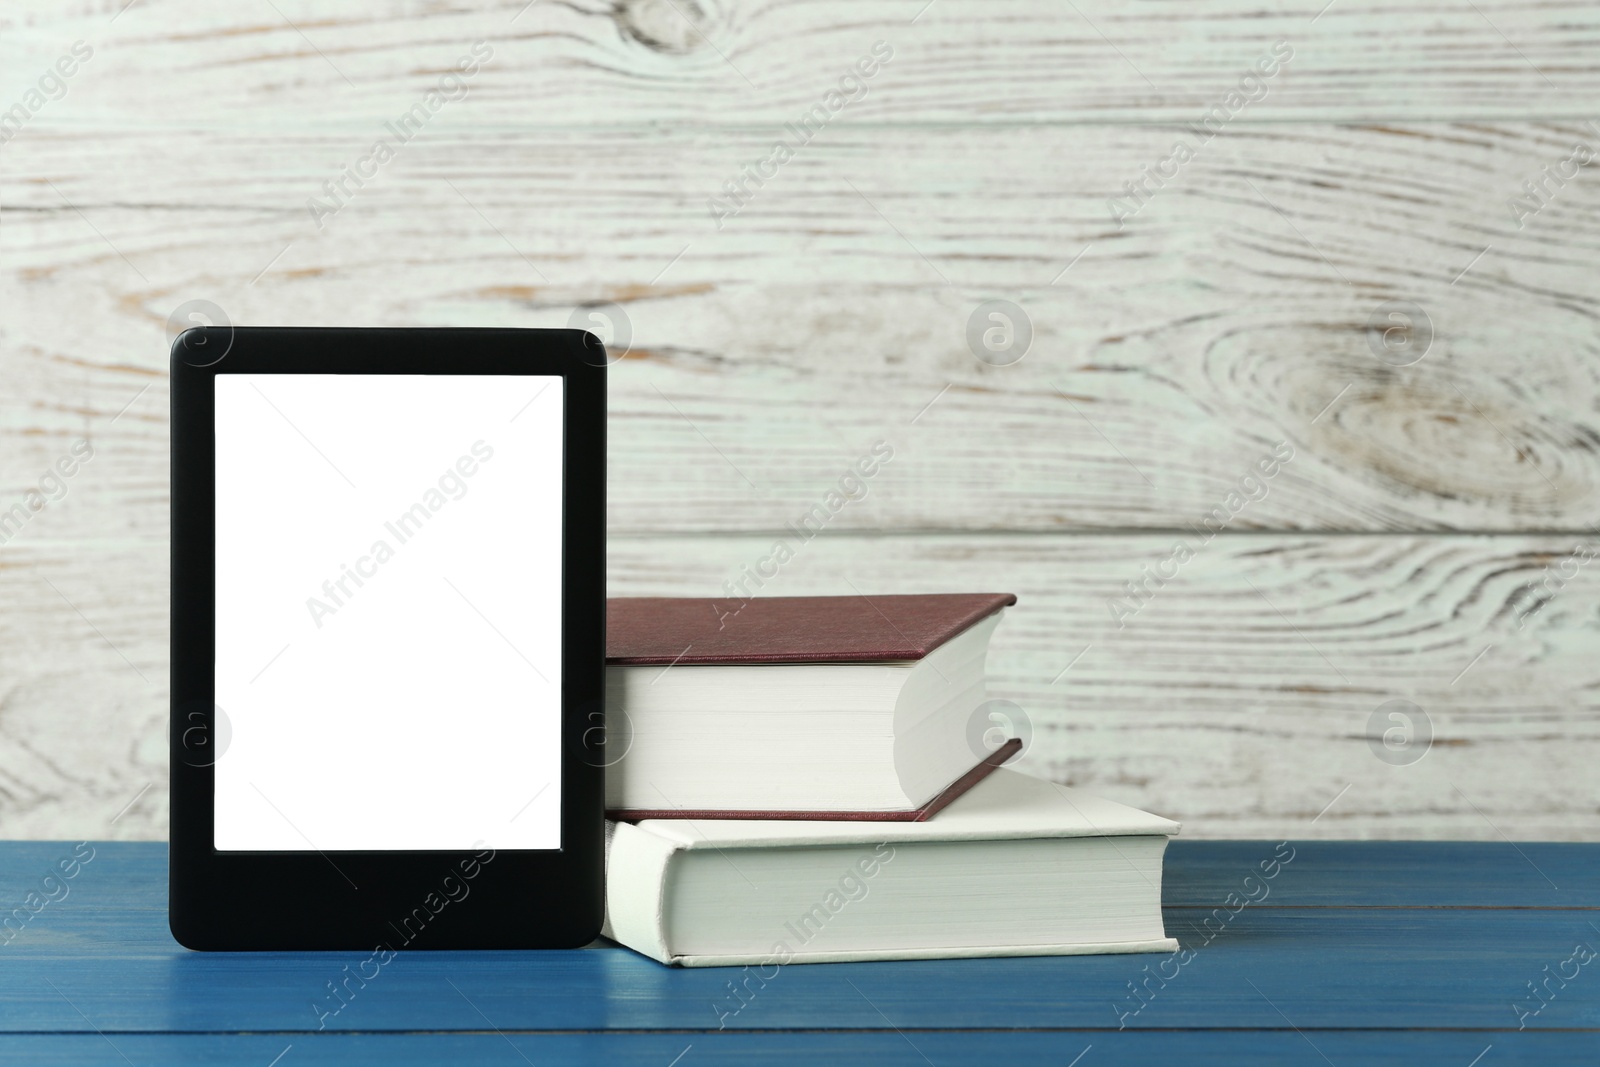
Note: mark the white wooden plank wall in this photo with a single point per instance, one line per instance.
(1418, 546)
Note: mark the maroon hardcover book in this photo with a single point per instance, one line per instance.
(801, 629)
(790, 629)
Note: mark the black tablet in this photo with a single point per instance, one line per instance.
(388, 638)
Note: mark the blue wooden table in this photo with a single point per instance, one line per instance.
(1477, 955)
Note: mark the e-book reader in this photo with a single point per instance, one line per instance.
(388, 629)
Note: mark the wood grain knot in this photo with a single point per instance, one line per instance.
(671, 27)
(1436, 437)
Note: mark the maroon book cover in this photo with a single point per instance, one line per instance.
(799, 629)
(790, 629)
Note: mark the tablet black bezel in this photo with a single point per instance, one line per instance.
(305, 900)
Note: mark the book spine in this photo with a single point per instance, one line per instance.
(636, 879)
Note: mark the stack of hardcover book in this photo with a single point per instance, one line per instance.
(800, 780)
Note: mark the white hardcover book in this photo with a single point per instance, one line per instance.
(1016, 867)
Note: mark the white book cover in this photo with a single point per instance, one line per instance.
(1002, 871)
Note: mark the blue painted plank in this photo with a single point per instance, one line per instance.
(1385, 873)
(100, 957)
(882, 1049)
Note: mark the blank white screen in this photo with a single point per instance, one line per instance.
(388, 611)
